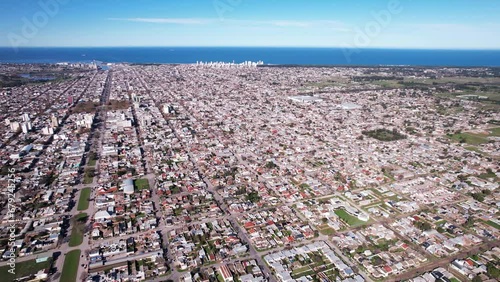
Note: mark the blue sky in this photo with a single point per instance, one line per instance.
(445, 24)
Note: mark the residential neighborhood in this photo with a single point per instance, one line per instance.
(251, 173)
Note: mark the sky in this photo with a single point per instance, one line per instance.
(418, 24)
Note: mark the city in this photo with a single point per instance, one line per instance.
(249, 172)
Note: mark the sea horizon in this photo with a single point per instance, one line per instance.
(294, 55)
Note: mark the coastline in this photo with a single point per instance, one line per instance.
(272, 56)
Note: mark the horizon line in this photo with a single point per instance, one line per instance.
(289, 47)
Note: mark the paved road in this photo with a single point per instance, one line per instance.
(232, 219)
(85, 246)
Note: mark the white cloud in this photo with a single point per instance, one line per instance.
(334, 25)
(180, 21)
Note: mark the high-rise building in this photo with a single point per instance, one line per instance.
(47, 130)
(54, 121)
(14, 126)
(24, 127)
(135, 98)
(146, 121)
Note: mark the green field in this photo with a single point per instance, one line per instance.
(23, 269)
(349, 219)
(78, 224)
(326, 231)
(494, 131)
(469, 138)
(487, 175)
(141, 184)
(83, 202)
(491, 223)
(70, 267)
(333, 81)
(474, 149)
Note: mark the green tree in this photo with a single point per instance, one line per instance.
(271, 165)
(492, 270)
(478, 197)
(253, 197)
(477, 279)
(422, 225)
(470, 222)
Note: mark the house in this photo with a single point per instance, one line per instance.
(96, 232)
(225, 273)
(102, 216)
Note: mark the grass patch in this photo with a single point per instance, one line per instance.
(141, 184)
(83, 202)
(349, 219)
(333, 81)
(468, 138)
(78, 223)
(494, 131)
(92, 159)
(388, 83)
(88, 176)
(474, 149)
(23, 269)
(493, 224)
(442, 221)
(70, 267)
(487, 175)
(300, 270)
(327, 231)
(376, 191)
(306, 273)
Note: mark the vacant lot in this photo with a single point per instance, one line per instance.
(141, 184)
(469, 138)
(23, 269)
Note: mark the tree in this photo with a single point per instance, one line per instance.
(492, 270)
(477, 279)
(478, 197)
(271, 165)
(253, 197)
(470, 222)
(422, 225)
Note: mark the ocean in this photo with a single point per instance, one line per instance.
(275, 56)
